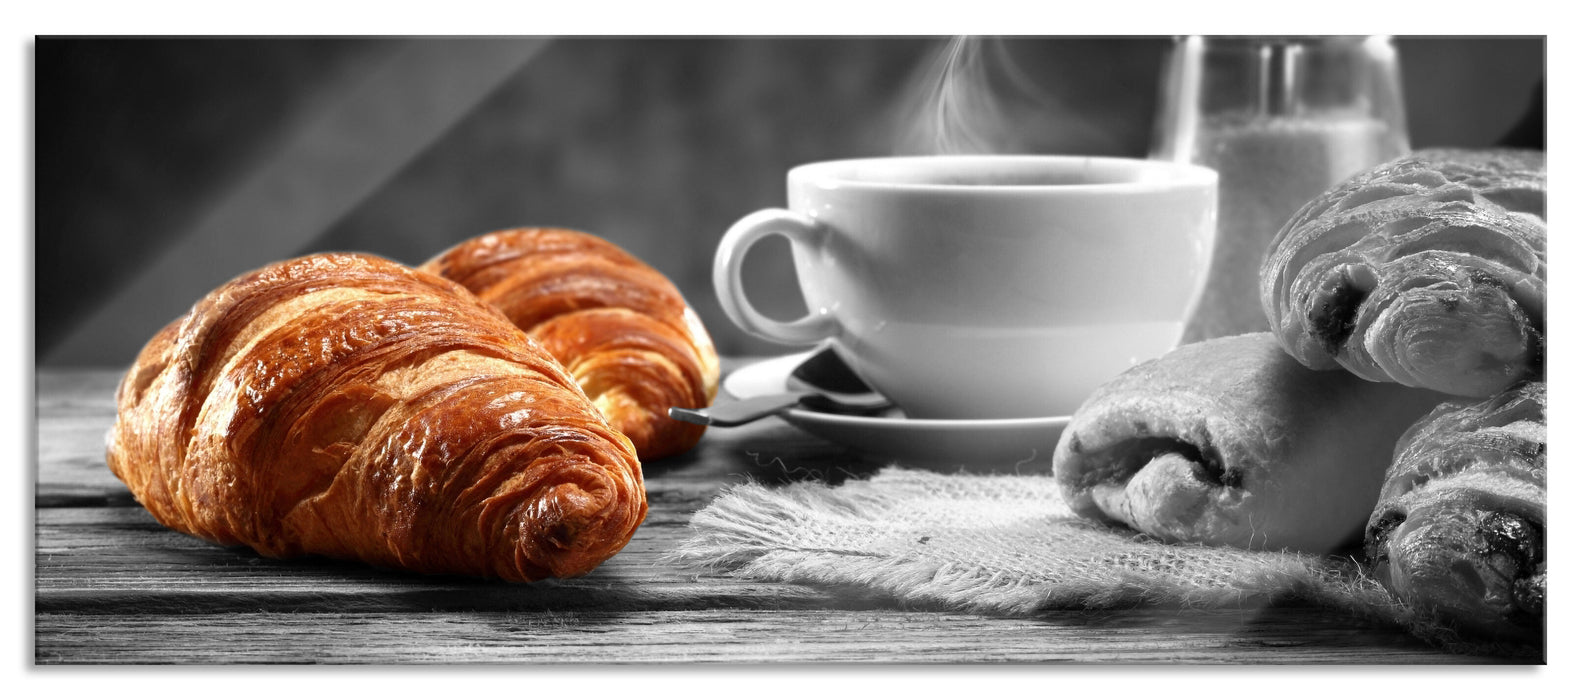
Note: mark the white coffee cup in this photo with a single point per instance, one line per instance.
(985, 287)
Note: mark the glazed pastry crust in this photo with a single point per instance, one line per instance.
(1459, 529)
(1428, 271)
(1232, 442)
(622, 329)
(350, 407)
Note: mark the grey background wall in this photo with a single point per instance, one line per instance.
(166, 166)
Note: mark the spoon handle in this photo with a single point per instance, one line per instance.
(733, 413)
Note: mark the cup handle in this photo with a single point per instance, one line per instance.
(802, 231)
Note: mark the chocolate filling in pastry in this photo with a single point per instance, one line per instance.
(1459, 531)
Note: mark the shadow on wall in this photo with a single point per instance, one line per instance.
(165, 167)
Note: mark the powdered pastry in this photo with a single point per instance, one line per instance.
(1230, 441)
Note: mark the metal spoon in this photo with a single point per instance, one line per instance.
(822, 382)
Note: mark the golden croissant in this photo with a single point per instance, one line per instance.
(1459, 530)
(1231, 442)
(351, 407)
(618, 325)
(1428, 271)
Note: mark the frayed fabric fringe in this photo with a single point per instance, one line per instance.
(1007, 545)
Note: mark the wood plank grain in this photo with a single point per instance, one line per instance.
(717, 636)
(106, 560)
(111, 585)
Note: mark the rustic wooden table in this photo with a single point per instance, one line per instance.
(113, 586)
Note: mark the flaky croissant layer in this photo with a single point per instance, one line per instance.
(347, 406)
(619, 326)
(1428, 271)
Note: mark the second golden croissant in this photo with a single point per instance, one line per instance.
(619, 326)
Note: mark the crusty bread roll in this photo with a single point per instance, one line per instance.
(350, 407)
(1460, 527)
(1427, 271)
(621, 328)
(1231, 442)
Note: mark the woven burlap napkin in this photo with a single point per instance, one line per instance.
(1006, 545)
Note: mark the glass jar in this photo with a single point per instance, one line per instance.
(1282, 119)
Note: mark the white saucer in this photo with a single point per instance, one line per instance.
(1022, 442)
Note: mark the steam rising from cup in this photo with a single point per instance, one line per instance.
(973, 98)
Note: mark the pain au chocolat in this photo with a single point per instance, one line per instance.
(1428, 271)
(1459, 532)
